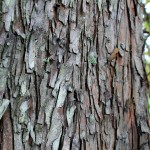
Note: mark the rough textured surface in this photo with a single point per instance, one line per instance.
(72, 76)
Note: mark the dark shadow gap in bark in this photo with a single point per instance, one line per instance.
(135, 7)
(62, 139)
(37, 95)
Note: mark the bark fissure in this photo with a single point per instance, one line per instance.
(72, 75)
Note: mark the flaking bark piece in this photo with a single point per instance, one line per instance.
(114, 54)
(3, 106)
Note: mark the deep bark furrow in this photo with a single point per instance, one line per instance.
(72, 75)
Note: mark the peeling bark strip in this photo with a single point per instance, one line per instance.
(71, 75)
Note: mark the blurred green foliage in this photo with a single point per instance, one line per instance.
(146, 30)
(149, 105)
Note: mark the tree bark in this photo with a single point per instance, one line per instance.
(72, 75)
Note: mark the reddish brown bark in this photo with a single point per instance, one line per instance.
(61, 82)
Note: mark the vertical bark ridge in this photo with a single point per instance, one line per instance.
(64, 84)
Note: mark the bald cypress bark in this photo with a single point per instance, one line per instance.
(72, 75)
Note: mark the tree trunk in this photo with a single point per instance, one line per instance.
(72, 75)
